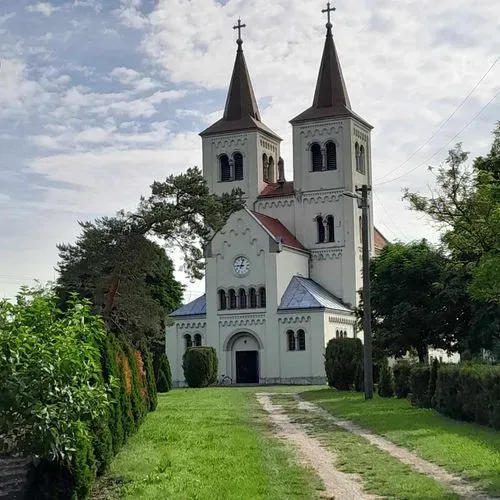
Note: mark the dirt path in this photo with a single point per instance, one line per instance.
(451, 481)
(338, 485)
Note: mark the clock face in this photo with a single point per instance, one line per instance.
(241, 266)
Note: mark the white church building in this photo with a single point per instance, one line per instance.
(283, 275)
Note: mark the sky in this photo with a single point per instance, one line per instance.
(99, 98)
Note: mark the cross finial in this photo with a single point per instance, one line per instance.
(238, 27)
(328, 10)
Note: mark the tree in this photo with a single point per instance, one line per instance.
(406, 299)
(182, 212)
(129, 279)
(465, 206)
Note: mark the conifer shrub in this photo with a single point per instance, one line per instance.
(419, 385)
(359, 383)
(401, 372)
(386, 382)
(151, 393)
(163, 374)
(199, 365)
(343, 358)
(433, 380)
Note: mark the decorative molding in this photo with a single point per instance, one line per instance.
(242, 320)
(229, 142)
(361, 135)
(346, 320)
(191, 325)
(286, 202)
(316, 197)
(327, 253)
(294, 319)
(322, 131)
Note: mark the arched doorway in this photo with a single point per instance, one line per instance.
(243, 349)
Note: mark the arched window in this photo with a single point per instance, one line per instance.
(232, 299)
(362, 159)
(331, 228)
(317, 158)
(356, 153)
(225, 168)
(253, 298)
(331, 156)
(197, 340)
(321, 229)
(271, 169)
(238, 166)
(187, 341)
(290, 336)
(222, 300)
(265, 168)
(301, 340)
(262, 297)
(243, 298)
(337, 334)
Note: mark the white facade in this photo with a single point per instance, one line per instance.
(300, 242)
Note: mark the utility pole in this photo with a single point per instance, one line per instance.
(367, 309)
(364, 204)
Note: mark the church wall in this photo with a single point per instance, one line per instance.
(282, 209)
(334, 322)
(289, 264)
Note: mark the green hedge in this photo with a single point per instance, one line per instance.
(163, 374)
(469, 391)
(386, 382)
(419, 386)
(200, 366)
(71, 393)
(401, 371)
(343, 363)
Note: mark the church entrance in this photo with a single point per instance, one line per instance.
(247, 367)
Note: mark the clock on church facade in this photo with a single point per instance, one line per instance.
(282, 275)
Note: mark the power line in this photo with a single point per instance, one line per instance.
(393, 223)
(443, 123)
(444, 147)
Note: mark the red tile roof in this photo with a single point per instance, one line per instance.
(380, 240)
(277, 189)
(277, 229)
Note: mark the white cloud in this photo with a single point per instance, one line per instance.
(130, 77)
(6, 17)
(130, 14)
(45, 8)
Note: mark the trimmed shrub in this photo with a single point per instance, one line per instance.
(359, 382)
(343, 363)
(401, 372)
(469, 391)
(386, 383)
(215, 366)
(199, 365)
(419, 386)
(433, 380)
(152, 397)
(163, 374)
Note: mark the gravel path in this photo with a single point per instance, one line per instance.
(338, 485)
(451, 481)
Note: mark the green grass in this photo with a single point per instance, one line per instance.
(381, 473)
(208, 444)
(471, 450)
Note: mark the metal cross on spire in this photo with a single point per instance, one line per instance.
(238, 27)
(328, 10)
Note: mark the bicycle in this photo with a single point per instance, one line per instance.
(225, 380)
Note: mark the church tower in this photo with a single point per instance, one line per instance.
(331, 155)
(239, 151)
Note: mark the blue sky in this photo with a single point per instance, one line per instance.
(99, 98)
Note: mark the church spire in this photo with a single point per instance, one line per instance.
(330, 98)
(241, 111)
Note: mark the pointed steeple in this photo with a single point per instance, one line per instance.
(330, 98)
(241, 111)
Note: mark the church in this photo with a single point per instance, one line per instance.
(283, 275)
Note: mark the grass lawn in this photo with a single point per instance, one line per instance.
(208, 444)
(381, 473)
(471, 450)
